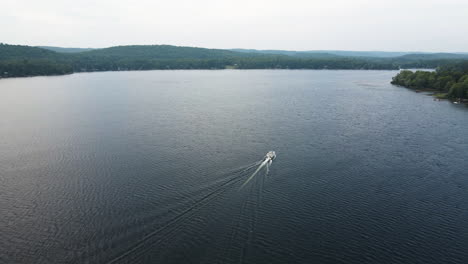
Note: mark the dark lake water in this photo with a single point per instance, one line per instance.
(148, 167)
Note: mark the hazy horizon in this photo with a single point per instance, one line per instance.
(297, 25)
(237, 48)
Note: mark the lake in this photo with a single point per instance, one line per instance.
(153, 167)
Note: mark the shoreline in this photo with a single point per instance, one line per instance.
(437, 95)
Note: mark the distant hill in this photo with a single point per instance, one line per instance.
(367, 54)
(431, 56)
(377, 54)
(151, 52)
(164, 52)
(17, 60)
(329, 53)
(308, 54)
(65, 50)
(8, 52)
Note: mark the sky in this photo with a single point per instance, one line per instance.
(397, 25)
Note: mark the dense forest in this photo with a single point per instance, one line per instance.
(19, 61)
(450, 80)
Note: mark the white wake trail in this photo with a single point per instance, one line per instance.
(264, 163)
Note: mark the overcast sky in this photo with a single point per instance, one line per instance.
(397, 25)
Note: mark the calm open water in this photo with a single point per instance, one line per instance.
(147, 167)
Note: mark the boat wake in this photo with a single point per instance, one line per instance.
(267, 160)
(167, 230)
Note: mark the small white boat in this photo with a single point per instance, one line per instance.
(271, 155)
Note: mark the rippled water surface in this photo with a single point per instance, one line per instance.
(147, 167)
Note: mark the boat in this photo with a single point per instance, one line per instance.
(271, 155)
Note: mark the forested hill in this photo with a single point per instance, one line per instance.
(364, 54)
(17, 61)
(164, 52)
(15, 52)
(303, 54)
(65, 50)
(432, 56)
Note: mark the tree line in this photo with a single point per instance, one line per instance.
(19, 61)
(450, 79)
